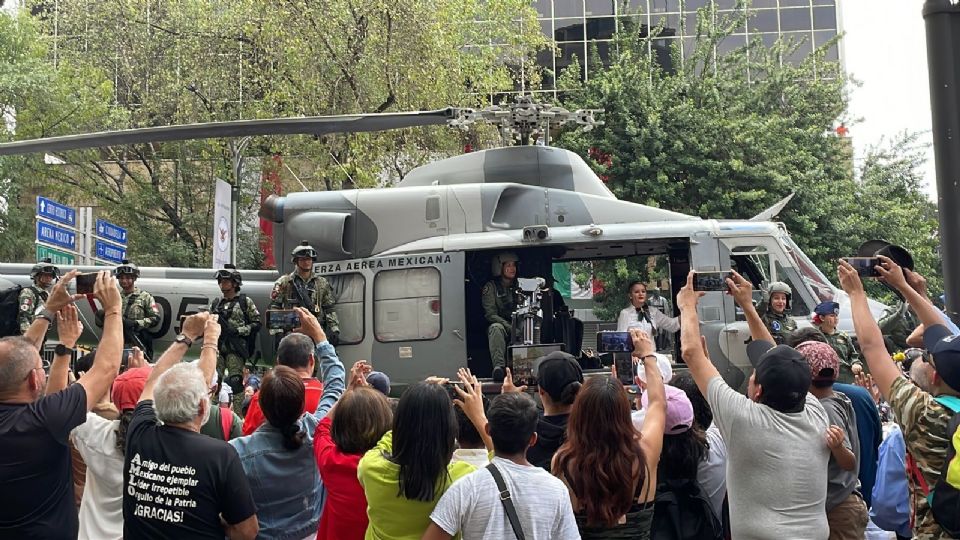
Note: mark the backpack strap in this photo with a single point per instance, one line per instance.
(243, 308)
(226, 421)
(950, 402)
(507, 501)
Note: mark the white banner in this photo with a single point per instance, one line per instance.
(222, 228)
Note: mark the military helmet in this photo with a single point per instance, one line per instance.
(781, 287)
(496, 265)
(127, 268)
(303, 250)
(44, 266)
(229, 272)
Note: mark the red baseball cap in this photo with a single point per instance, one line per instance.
(128, 386)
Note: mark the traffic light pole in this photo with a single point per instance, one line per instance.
(942, 20)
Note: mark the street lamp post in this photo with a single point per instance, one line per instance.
(942, 20)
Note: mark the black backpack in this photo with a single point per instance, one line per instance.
(9, 310)
(249, 340)
(682, 511)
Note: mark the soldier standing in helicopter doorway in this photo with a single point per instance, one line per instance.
(31, 299)
(239, 325)
(777, 315)
(138, 310)
(303, 288)
(498, 298)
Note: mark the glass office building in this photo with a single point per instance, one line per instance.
(576, 24)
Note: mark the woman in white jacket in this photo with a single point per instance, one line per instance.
(639, 315)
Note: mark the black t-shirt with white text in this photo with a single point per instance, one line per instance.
(36, 476)
(177, 483)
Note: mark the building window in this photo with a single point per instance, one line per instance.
(348, 289)
(406, 304)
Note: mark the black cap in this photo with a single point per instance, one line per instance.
(556, 371)
(783, 373)
(899, 255)
(945, 348)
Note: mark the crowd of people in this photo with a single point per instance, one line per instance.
(801, 455)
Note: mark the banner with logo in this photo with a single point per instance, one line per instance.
(222, 227)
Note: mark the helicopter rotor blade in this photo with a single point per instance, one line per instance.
(315, 125)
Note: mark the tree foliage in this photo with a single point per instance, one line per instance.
(726, 136)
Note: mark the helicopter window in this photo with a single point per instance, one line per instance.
(798, 305)
(348, 290)
(406, 304)
(753, 263)
(432, 212)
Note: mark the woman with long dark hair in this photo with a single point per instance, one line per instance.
(610, 468)
(278, 457)
(353, 427)
(404, 476)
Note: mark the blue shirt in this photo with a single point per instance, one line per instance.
(286, 485)
(869, 431)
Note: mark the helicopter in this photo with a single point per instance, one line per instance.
(407, 263)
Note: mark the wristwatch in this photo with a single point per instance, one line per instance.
(44, 313)
(182, 338)
(62, 350)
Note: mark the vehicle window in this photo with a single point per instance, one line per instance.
(406, 304)
(753, 263)
(811, 275)
(797, 304)
(348, 289)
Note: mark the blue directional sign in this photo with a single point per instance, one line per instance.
(55, 211)
(111, 232)
(109, 252)
(57, 236)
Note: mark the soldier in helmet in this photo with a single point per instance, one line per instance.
(44, 274)
(138, 309)
(776, 316)
(305, 289)
(499, 302)
(239, 323)
(825, 317)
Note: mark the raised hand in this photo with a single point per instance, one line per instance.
(834, 436)
(59, 297)
(69, 326)
(508, 386)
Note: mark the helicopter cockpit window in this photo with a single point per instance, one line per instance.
(753, 263)
(798, 306)
(348, 289)
(406, 304)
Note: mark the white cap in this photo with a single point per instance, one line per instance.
(666, 369)
(225, 393)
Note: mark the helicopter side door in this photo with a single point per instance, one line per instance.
(405, 314)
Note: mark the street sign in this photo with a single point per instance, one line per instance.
(48, 233)
(111, 232)
(54, 211)
(55, 255)
(109, 252)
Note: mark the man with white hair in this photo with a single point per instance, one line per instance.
(180, 483)
(37, 499)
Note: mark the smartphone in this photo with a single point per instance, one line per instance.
(614, 342)
(125, 359)
(86, 282)
(624, 363)
(282, 319)
(865, 266)
(711, 281)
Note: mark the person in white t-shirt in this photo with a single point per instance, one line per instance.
(639, 315)
(472, 506)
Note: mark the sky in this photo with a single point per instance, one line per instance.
(885, 49)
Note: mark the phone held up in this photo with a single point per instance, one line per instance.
(86, 282)
(618, 342)
(711, 281)
(865, 266)
(282, 319)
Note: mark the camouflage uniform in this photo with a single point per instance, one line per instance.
(897, 324)
(315, 290)
(139, 312)
(31, 299)
(924, 424)
(779, 324)
(499, 302)
(843, 345)
(237, 323)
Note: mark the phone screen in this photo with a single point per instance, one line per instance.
(710, 281)
(865, 266)
(614, 342)
(86, 282)
(282, 319)
(625, 368)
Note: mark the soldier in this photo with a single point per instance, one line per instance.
(897, 323)
(304, 289)
(499, 302)
(825, 318)
(776, 316)
(239, 323)
(31, 300)
(138, 309)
